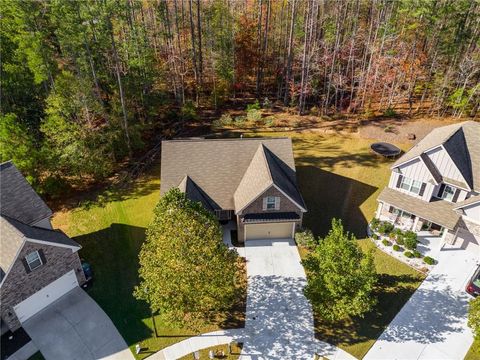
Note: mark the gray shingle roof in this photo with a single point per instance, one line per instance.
(194, 193)
(8, 249)
(461, 141)
(219, 166)
(439, 211)
(469, 201)
(18, 199)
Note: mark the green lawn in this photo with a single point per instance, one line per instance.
(338, 177)
(474, 352)
(111, 229)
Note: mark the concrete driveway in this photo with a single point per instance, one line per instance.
(433, 323)
(74, 327)
(279, 321)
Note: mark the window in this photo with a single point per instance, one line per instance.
(271, 203)
(448, 193)
(411, 185)
(33, 260)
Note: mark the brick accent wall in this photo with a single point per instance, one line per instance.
(19, 284)
(257, 207)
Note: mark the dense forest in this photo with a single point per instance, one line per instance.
(83, 82)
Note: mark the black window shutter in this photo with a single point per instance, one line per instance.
(440, 191)
(25, 264)
(455, 196)
(422, 189)
(399, 181)
(42, 256)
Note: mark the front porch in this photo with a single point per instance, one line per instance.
(405, 220)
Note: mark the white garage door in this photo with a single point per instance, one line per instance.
(269, 231)
(30, 306)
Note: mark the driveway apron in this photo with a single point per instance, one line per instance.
(74, 327)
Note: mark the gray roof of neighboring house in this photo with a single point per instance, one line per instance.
(439, 211)
(17, 232)
(461, 141)
(231, 171)
(18, 199)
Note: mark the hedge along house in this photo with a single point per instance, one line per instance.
(435, 186)
(249, 180)
(38, 265)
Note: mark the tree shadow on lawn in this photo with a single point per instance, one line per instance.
(392, 292)
(328, 196)
(113, 254)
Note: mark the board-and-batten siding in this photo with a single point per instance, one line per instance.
(416, 169)
(444, 164)
(427, 193)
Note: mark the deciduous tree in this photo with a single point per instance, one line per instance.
(341, 278)
(186, 271)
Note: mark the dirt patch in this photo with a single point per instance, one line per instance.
(398, 130)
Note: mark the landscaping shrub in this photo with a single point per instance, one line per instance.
(374, 236)
(268, 121)
(254, 106)
(385, 227)
(397, 248)
(386, 242)
(400, 240)
(408, 254)
(374, 224)
(305, 239)
(254, 115)
(392, 236)
(410, 240)
(428, 260)
(417, 254)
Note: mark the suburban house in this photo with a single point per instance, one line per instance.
(249, 180)
(435, 186)
(37, 264)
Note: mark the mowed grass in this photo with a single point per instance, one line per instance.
(474, 352)
(340, 178)
(111, 229)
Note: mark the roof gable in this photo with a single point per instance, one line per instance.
(456, 147)
(193, 192)
(461, 142)
(18, 199)
(15, 234)
(255, 181)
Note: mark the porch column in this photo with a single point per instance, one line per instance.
(379, 210)
(415, 223)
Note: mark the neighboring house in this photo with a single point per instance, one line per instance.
(435, 186)
(249, 180)
(37, 264)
